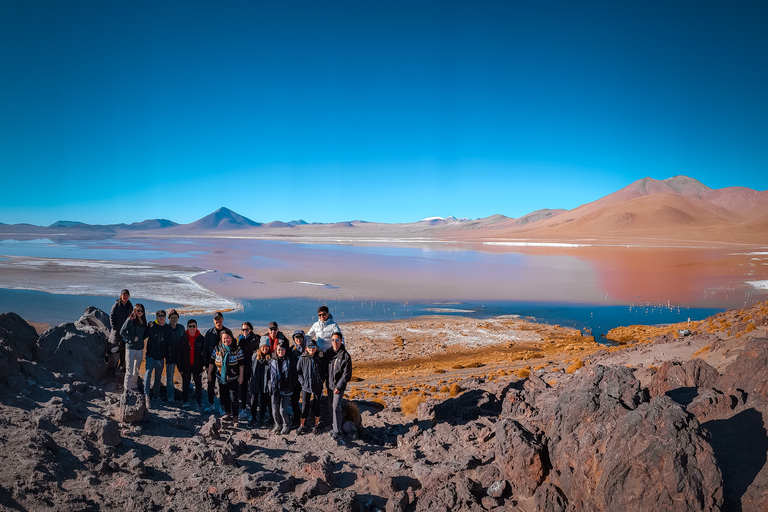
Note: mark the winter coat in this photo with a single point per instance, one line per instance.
(158, 340)
(340, 370)
(133, 334)
(174, 343)
(282, 375)
(120, 312)
(212, 339)
(259, 382)
(248, 344)
(311, 373)
(278, 338)
(200, 359)
(322, 332)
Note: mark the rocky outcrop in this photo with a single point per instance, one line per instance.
(132, 407)
(74, 348)
(521, 456)
(691, 374)
(749, 372)
(18, 335)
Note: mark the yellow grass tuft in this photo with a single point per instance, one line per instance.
(701, 351)
(410, 403)
(575, 366)
(523, 373)
(454, 389)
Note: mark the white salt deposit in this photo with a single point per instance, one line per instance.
(760, 285)
(537, 244)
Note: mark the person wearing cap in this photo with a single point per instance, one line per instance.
(282, 375)
(174, 348)
(258, 386)
(192, 361)
(248, 342)
(212, 338)
(158, 338)
(311, 373)
(227, 361)
(297, 348)
(339, 374)
(321, 331)
(275, 336)
(121, 310)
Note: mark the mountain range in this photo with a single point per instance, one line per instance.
(679, 209)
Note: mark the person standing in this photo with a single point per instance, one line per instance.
(259, 384)
(282, 374)
(158, 336)
(297, 349)
(174, 349)
(248, 343)
(227, 362)
(121, 310)
(310, 371)
(133, 332)
(192, 361)
(275, 336)
(339, 374)
(321, 331)
(212, 338)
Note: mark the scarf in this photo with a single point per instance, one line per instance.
(225, 350)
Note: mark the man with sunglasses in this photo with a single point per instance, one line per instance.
(158, 343)
(248, 342)
(275, 336)
(323, 330)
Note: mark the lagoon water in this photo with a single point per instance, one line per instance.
(286, 281)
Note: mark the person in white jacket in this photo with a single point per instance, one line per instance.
(322, 330)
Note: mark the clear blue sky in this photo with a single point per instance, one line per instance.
(383, 111)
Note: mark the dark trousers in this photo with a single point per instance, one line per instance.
(280, 404)
(244, 388)
(185, 379)
(211, 389)
(295, 406)
(228, 394)
(259, 404)
(314, 404)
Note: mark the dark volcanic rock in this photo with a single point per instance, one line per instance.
(94, 317)
(105, 431)
(749, 372)
(17, 334)
(466, 407)
(132, 407)
(521, 456)
(659, 460)
(692, 374)
(712, 404)
(9, 365)
(74, 348)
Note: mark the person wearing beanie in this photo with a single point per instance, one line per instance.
(311, 376)
(297, 349)
(258, 386)
(282, 375)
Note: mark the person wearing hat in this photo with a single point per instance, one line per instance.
(275, 336)
(121, 310)
(192, 361)
(311, 373)
(297, 348)
(227, 361)
(158, 339)
(248, 343)
(282, 375)
(212, 338)
(321, 331)
(174, 348)
(258, 386)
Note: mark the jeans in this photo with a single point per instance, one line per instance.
(156, 366)
(132, 363)
(170, 369)
(280, 405)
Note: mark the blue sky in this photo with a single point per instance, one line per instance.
(383, 111)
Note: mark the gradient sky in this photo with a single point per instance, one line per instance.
(382, 111)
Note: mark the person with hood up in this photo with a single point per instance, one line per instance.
(158, 338)
(192, 360)
(174, 348)
(297, 349)
(311, 373)
(121, 310)
(227, 362)
(133, 332)
(339, 374)
(248, 343)
(258, 386)
(282, 375)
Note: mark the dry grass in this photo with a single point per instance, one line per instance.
(701, 351)
(575, 366)
(410, 403)
(352, 413)
(454, 389)
(523, 373)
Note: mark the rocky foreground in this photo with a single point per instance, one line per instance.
(662, 423)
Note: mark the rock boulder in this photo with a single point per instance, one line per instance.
(17, 334)
(74, 348)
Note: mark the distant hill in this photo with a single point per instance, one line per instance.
(221, 219)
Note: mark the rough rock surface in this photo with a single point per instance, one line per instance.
(132, 407)
(691, 374)
(18, 335)
(74, 348)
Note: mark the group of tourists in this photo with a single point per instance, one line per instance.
(255, 375)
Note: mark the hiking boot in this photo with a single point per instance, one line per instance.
(335, 436)
(286, 430)
(199, 407)
(185, 405)
(316, 430)
(301, 430)
(226, 417)
(243, 414)
(277, 429)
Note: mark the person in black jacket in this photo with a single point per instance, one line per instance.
(258, 385)
(282, 375)
(212, 338)
(297, 349)
(158, 338)
(311, 372)
(121, 310)
(192, 362)
(248, 343)
(174, 346)
(339, 374)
